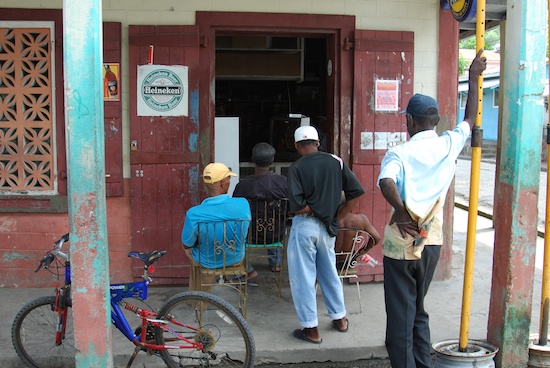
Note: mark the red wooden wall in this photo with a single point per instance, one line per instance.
(378, 55)
(165, 160)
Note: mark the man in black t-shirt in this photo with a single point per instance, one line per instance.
(315, 184)
(262, 190)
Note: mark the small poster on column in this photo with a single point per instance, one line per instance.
(111, 82)
(162, 90)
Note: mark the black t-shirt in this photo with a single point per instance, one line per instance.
(266, 186)
(318, 179)
(263, 193)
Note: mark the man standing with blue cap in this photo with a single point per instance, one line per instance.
(414, 179)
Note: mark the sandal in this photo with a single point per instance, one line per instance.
(301, 334)
(276, 268)
(240, 280)
(336, 324)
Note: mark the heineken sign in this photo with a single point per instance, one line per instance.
(463, 10)
(162, 90)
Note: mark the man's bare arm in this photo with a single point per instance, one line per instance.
(476, 68)
(347, 208)
(401, 216)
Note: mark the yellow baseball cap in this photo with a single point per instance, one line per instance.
(215, 172)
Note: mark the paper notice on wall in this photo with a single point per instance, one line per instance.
(387, 95)
(367, 140)
(382, 140)
(162, 90)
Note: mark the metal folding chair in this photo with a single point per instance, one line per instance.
(221, 257)
(346, 260)
(268, 231)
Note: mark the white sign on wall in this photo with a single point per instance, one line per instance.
(162, 90)
(382, 140)
(386, 95)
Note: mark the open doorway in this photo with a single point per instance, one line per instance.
(273, 84)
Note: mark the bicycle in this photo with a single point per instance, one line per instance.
(191, 328)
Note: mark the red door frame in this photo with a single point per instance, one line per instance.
(334, 27)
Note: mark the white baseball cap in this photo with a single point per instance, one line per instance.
(305, 133)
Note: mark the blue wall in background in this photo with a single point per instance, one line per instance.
(489, 119)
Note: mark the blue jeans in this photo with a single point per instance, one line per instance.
(274, 258)
(311, 256)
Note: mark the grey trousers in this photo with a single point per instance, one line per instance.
(406, 283)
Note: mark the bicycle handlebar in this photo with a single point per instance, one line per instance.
(46, 261)
(50, 256)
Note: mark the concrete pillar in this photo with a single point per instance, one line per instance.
(83, 62)
(447, 96)
(518, 181)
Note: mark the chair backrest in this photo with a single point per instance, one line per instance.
(355, 242)
(222, 243)
(268, 221)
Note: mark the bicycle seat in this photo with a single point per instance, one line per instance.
(148, 258)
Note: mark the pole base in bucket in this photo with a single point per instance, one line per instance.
(478, 354)
(539, 355)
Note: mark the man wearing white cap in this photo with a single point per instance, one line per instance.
(315, 184)
(217, 207)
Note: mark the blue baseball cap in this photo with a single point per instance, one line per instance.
(422, 106)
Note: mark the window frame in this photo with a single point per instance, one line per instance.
(114, 183)
(19, 24)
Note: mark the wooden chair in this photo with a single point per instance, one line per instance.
(222, 248)
(268, 230)
(346, 260)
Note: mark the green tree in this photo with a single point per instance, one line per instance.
(467, 43)
(462, 64)
(492, 39)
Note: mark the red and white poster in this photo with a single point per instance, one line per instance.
(387, 93)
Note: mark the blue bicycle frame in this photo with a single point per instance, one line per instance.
(118, 293)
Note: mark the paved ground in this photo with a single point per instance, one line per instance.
(487, 185)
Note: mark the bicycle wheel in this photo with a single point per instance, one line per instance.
(225, 335)
(33, 335)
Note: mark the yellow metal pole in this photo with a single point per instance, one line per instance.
(477, 137)
(545, 295)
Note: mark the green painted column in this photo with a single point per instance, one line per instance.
(83, 59)
(518, 181)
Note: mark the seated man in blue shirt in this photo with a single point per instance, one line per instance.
(217, 207)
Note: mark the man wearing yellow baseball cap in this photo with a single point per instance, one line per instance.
(216, 172)
(218, 206)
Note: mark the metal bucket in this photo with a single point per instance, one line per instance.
(478, 354)
(539, 355)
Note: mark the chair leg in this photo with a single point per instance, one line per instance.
(245, 293)
(359, 295)
(280, 285)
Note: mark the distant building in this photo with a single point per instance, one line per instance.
(491, 90)
(491, 87)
